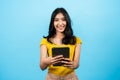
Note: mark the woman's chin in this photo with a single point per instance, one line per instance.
(60, 30)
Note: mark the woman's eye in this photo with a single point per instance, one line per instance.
(63, 19)
(55, 19)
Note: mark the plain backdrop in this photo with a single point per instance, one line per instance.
(23, 23)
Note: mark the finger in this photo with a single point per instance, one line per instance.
(59, 56)
(69, 66)
(67, 59)
(53, 61)
(56, 62)
(67, 62)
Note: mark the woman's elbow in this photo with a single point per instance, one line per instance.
(42, 67)
(76, 66)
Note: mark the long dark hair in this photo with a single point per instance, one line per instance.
(69, 38)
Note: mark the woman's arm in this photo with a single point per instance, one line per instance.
(45, 60)
(77, 56)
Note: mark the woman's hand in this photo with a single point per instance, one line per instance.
(68, 63)
(54, 60)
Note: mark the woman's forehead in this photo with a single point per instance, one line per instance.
(59, 15)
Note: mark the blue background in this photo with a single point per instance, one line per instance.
(24, 22)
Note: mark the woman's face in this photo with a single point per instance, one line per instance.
(59, 22)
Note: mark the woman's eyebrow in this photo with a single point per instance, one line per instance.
(60, 18)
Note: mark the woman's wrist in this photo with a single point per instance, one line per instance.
(48, 61)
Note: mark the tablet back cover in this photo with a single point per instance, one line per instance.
(60, 51)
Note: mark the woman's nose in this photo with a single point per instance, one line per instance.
(60, 22)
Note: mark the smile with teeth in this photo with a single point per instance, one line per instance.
(60, 27)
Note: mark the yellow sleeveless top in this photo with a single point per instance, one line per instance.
(60, 70)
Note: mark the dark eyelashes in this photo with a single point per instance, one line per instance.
(58, 19)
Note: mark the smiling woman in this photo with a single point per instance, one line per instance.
(62, 40)
(60, 22)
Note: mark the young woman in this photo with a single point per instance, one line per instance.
(60, 36)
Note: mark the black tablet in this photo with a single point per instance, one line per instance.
(60, 51)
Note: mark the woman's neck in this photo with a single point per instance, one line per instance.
(59, 36)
